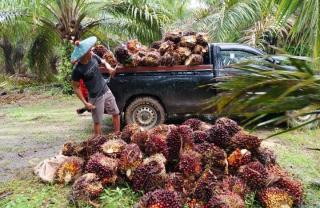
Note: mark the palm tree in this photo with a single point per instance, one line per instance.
(258, 92)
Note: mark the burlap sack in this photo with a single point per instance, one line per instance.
(47, 169)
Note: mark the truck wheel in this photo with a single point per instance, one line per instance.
(147, 112)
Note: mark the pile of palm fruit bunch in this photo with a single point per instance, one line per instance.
(175, 48)
(194, 165)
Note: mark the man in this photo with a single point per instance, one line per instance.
(100, 96)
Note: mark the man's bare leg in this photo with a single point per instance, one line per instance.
(97, 129)
(116, 123)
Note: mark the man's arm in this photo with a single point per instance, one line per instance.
(76, 90)
(111, 70)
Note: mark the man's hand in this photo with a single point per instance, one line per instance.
(89, 106)
(112, 72)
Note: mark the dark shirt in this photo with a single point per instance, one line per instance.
(90, 74)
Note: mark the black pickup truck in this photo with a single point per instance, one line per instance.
(148, 95)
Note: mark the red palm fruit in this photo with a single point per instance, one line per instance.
(184, 53)
(186, 136)
(238, 158)
(188, 41)
(205, 186)
(265, 155)
(89, 147)
(243, 140)
(230, 125)
(212, 157)
(130, 159)
(193, 123)
(122, 54)
(175, 182)
(274, 198)
(150, 175)
(69, 170)
(202, 39)
(194, 203)
(140, 138)
(128, 131)
(100, 50)
(156, 44)
(254, 174)
(68, 149)
(166, 46)
(219, 135)
(277, 171)
(194, 59)
(113, 148)
(152, 58)
(174, 143)
(236, 185)
(226, 200)
(293, 187)
(104, 167)
(162, 129)
(199, 136)
(160, 199)
(173, 36)
(190, 164)
(156, 144)
(168, 59)
(87, 187)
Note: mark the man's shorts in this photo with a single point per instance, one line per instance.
(105, 103)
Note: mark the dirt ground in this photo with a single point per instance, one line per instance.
(35, 127)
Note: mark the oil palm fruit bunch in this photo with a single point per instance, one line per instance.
(87, 148)
(87, 187)
(197, 125)
(175, 182)
(188, 41)
(133, 46)
(128, 131)
(235, 185)
(230, 125)
(105, 167)
(205, 186)
(226, 200)
(122, 55)
(219, 135)
(293, 187)
(150, 175)
(110, 58)
(100, 50)
(274, 198)
(202, 39)
(130, 159)
(238, 158)
(194, 59)
(200, 137)
(174, 144)
(68, 148)
(151, 59)
(213, 157)
(173, 36)
(244, 140)
(190, 164)
(157, 143)
(254, 174)
(113, 148)
(160, 198)
(264, 155)
(69, 170)
(140, 137)
(156, 44)
(186, 133)
(166, 46)
(167, 60)
(199, 49)
(184, 53)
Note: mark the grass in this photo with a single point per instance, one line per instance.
(52, 121)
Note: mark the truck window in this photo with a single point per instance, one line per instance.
(232, 57)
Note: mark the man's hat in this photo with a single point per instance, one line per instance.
(82, 47)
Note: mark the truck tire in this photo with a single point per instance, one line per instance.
(147, 112)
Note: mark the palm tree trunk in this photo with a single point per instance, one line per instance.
(7, 48)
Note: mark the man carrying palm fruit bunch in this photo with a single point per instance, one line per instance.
(100, 96)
